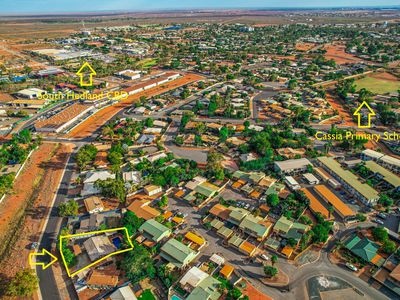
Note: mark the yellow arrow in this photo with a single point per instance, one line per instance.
(85, 69)
(44, 252)
(359, 115)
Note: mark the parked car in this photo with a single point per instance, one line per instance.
(351, 267)
(381, 215)
(34, 245)
(378, 221)
(264, 257)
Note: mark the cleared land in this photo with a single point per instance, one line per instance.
(93, 123)
(42, 197)
(304, 46)
(379, 83)
(338, 54)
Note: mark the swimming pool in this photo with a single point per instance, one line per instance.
(117, 242)
(175, 297)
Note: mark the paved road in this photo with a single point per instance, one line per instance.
(47, 282)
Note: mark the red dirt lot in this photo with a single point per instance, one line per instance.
(335, 103)
(338, 54)
(44, 169)
(384, 76)
(304, 46)
(89, 126)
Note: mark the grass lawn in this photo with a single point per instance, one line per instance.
(377, 86)
(147, 295)
(147, 62)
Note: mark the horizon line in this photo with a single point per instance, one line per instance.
(196, 9)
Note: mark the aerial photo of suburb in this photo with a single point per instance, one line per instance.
(212, 150)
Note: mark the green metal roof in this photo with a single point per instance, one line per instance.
(235, 240)
(272, 243)
(283, 224)
(275, 188)
(250, 223)
(177, 253)
(363, 248)
(237, 214)
(206, 290)
(206, 189)
(387, 175)
(155, 230)
(364, 189)
(217, 224)
(225, 231)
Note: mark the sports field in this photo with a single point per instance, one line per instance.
(379, 83)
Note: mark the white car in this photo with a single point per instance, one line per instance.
(264, 257)
(351, 267)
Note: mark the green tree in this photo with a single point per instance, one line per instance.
(380, 234)
(68, 209)
(164, 201)
(214, 163)
(235, 293)
(274, 259)
(385, 200)
(86, 155)
(270, 271)
(273, 200)
(24, 284)
(114, 188)
(138, 264)
(132, 222)
(389, 247)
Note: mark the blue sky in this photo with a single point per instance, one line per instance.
(47, 6)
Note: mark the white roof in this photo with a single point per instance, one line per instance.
(123, 293)
(292, 164)
(155, 157)
(102, 175)
(256, 127)
(31, 91)
(310, 177)
(191, 185)
(89, 189)
(219, 260)
(391, 160)
(133, 176)
(291, 180)
(152, 130)
(160, 123)
(193, 277)
(372, 153)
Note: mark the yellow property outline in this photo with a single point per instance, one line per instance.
(99, 260)
(80, 74)
(371, 113)
(43, 253)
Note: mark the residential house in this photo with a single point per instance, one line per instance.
(364, 249)
(152, 189)
(177, 253)
(93, 205)
(154, 231)
(142, 209)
